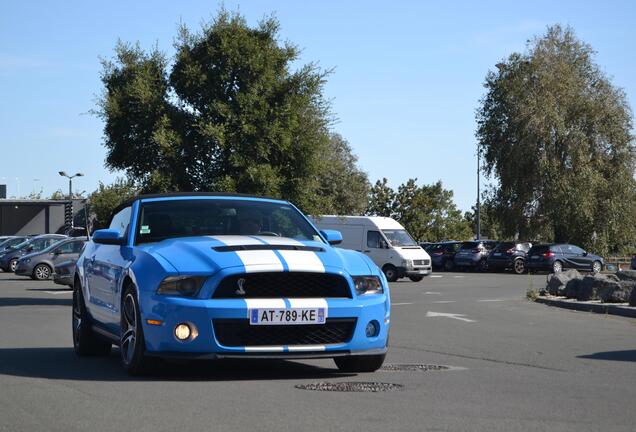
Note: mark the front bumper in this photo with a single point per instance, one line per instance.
(200, 313)
(23, 269)
(415, 271)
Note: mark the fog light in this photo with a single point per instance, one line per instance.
(182, 332)
(373, 329)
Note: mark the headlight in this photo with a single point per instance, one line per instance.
(184, 286)
(407, 263)
(368, 285)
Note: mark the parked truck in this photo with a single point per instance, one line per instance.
(383, 240)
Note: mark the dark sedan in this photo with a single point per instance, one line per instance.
(40, 265)
(443, 254)
(509, 255)
(557, 257)
(64, 273)
(9, 259)
(473, 254)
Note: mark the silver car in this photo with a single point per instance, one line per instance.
(40, 265)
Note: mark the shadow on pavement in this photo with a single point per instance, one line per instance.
(627, 355)
(34, 301)
(63, 364)
(52, 289)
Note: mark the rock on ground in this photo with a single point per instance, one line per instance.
(620, 294)
(626, 275)
(596, 287)
(557, 284)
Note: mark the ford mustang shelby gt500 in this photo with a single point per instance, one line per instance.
(216, 276)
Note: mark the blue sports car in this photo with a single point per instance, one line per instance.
(204, 275)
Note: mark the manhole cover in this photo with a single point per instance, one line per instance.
(370, 387)
(413, 367)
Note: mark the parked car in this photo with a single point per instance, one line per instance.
(556, 257)
(9, 259)
(383, 240)
(509, 255)
(472, 255)
(40, 265)
(443, 254)
(9, 242)
(633, 263)
(213, 276)
(64, 273)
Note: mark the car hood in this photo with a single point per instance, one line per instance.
(209, 254)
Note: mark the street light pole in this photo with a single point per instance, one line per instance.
(478, 198)
(70, 181)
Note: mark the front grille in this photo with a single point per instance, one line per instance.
(283, 284)
(239, 332)
(423, 262)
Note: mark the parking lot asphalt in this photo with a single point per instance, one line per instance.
(514, 366)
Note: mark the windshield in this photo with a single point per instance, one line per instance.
(399, 238)
(199, 217)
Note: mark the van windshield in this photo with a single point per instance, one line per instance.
(399, 238)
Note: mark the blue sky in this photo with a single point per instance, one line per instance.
(407, 75)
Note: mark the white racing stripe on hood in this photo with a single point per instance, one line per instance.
(235, 240)
(302, 261)
(260, 261)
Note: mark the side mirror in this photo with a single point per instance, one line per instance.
(584, 253)
(383, 244)
(29, 248)
(108, 237)
(333, 237)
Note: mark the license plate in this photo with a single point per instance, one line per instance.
(288, 316)
(535, 257)
(497, 254)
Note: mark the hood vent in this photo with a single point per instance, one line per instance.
(249, 247)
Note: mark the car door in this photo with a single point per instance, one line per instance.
(61, 252)
(376, 247)
(103, 267)
(579, 257)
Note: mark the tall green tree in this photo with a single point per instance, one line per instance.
(381, 199)
(342, 186)
(427, 212)
(230, 112)
(556, 135)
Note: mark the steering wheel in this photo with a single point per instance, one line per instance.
(268, 233)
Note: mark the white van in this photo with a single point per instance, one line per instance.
(384, 240)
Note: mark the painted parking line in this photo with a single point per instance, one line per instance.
(444, 301)
(460, 317)
(59, 292)
(459, 276)
(492, 300)
(400, 304)
(437, 276)
(433, 293)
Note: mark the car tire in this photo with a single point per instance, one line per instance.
(597, 267)
(416, 278)
(132, 346)
(42, 272)
(482, 267)
(448, 265)
(557, 267)
(13, 264)
(85, 341)
(361, 363)
(390, 272)
(519, 266)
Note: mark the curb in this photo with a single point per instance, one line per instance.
(600, 308)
